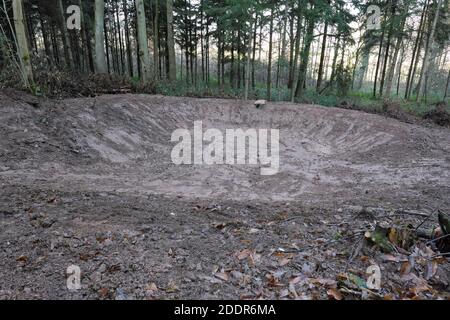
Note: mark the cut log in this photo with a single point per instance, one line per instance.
(260, 103)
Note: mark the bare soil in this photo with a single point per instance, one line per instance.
(90, 182)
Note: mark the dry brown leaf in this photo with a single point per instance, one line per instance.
(295, 280)
(254, 259)
(171, 287)
(220, 226)
(103, 292)
(151, 287)
(284, 262)
(406, 268)
(390, 258)
(324, 282)
(292, 291)
(392, 235)
(431, 269)
(23, 259)
(284, 293)
(279, 254)
(335, 294)
(272, 280)
(364, 258)
(241, 255)
(222, 276)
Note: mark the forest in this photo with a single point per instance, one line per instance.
(293, 50)
(225, 150)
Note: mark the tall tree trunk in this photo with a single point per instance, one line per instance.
(415, 53)
(335, 59)
(232, 63)
(285, 25)
(393, 5)
(322, 57)
(100, 59)
(119, 33)
(127, 39)
(85, 41)
(249, 52)
(309, 37)
(396, 52)
(269, 65)
(239, 54)
(291, 49)
(113, 38)
(143, 55)
(446, 85)
(22, 44)
(55, 47)
(207, 52)
(219, 80)
(65, 36)
(255, 31)
(156, 39)
(293, 71)
(202, 47)
(107, 47)
(398, 72)
(380, 51)
(362, 71)
(47, 44)
(428, 53)
(171, 42)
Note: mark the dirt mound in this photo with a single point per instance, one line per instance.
(393, 110)
(440, 115)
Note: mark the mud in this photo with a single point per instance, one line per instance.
(90, 182)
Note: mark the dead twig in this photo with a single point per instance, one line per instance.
(437, 239)
(426, 219)
(411, 213)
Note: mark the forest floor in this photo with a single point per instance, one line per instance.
(90, 182)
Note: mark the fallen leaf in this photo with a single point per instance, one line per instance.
(292, 291)
(392, 234)
(324, 282)
(392, 258)
(335, 294)
(243, 254)
(295, 280)
(431, 269)
(284, 293)
(103, 292)
(254, 259)
(364, 258)
(52, 200)
(407, 267)
(171, 287)
(272, 280)
(22, 259)
(222, 276)
(220, 226)
(151, 287)
(284, 262)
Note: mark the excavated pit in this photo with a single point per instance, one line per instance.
(90, 182)
(122, 143)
